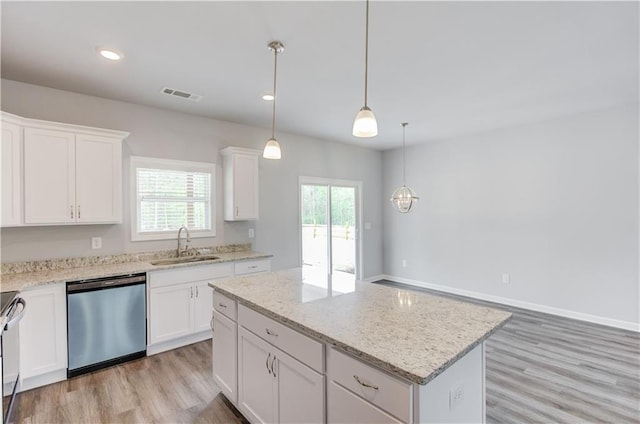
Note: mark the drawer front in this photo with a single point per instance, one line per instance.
(252, 267)
(345, 407)
(301, 347)
(189, 274)
(225, 305)
(389, 393)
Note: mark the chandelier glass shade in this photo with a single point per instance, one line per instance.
(404, 198)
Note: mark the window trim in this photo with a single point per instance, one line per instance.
(176, 165)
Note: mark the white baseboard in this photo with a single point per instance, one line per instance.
(176, 343)
(372, 279)
(42, 380)
(610, 322)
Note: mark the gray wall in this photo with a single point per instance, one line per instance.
(554, 204)
(166, 134)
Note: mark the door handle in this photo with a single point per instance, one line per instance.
(272, 366)
(196, 291)
(267, 363)
(78, 211)
(211, 323)
(71, 210)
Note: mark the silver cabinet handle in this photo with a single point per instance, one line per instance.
(271, 333)
(196, 291)
(211, 323)
(78, 211)
(371, 386)
(191, 290)
(253, 267)
(237, 213)
(267, 363)
(222, 305)
(272, 366)
(71, 210)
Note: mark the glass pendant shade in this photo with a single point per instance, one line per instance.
(365, 124)
(403, 199)
(272, 149)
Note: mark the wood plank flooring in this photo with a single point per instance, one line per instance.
(547, 369)
(540, 369)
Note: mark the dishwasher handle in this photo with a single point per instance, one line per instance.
(15, 319)
(107, 283)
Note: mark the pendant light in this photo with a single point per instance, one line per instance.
(272, 148)
(404, 198)
(365, 124)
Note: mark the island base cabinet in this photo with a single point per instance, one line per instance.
(225, 356)
(43, 336)
(274, 387)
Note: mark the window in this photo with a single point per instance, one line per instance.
(166, 194)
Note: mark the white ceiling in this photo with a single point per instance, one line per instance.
(447, 68)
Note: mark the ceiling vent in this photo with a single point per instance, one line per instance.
(181, 94)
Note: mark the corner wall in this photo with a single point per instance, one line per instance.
(554, 205)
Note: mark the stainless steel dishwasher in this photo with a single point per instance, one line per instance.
(106, 322)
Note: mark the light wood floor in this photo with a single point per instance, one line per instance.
(540, 369)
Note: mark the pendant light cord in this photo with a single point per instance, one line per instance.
(366, 55)
(275, 73)
(404, 160)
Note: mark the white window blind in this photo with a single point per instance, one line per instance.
(172, 194)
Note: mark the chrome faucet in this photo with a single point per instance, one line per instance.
(186, 246)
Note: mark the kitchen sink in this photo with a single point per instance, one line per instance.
(184, 260)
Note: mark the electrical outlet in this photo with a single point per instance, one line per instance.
(404, 263)
(456, 396)
(96, 242)
(506, 279)
(252, 233)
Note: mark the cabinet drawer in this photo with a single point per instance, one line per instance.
(390, 394)
(286, 339)
(189, 274)
(251, 267)
(345, 407)
(225, 305)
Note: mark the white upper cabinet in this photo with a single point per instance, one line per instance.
(72, 174)
(240, 167)
(11, 214)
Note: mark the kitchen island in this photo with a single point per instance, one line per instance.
(309, 349)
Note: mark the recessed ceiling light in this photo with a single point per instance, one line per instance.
(267, 97)
(109, 53)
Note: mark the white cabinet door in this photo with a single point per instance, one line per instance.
(240, 183)
(245, 186)
(225, 355)
(49, 177)
(98, 179)
(11, 174)
(170, 312)
(300, 391)
(43, 331)
(203, 299)
(257, 386)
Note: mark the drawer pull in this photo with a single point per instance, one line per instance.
(222, 305)
(267, 363)
(272, 364)
(371, 386)
(253, 267)
(271, 333)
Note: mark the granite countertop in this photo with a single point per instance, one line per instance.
(408, 333)
(23, 280)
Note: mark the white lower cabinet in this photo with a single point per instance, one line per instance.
(179, 304)
(225, 355)
(43, 336)
(274, 387)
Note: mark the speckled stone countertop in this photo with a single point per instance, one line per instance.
(101, 268)
(408, 333)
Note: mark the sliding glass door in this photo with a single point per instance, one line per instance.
(329, 228)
